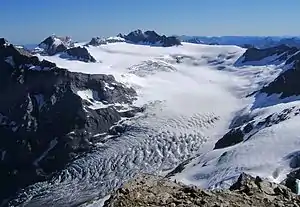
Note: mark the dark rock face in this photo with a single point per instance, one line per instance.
(233, 137)
(65, 47)
(96, 41)
(275, 55)
(136, 36)
(151, 38)
(291, 180)
(148, 190)
(80, 53)
(250, 128)
(44, 123)
(3, 41)
(287, 83)
(53, 44)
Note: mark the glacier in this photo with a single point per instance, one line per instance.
(191, 94)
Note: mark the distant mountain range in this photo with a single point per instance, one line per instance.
(54, 44)
(243, 41)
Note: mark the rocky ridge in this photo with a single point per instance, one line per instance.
(97, 41)
(150, 38)
(49, 116)
(148, 190)
(79, 53)
(284, 86)
(65, 47)
(54, 44)
(260, 42)
(267, 56)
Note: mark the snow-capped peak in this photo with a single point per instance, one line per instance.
(151, 38)
(54, 44)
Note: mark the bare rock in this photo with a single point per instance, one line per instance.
(148, 190)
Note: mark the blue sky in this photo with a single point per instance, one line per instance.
(29, 21)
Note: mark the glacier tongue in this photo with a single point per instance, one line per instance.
(188, 103)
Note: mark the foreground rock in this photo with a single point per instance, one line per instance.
(49, 116)
(151, 38)
(157, 191)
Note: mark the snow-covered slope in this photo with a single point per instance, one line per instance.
(191, 94)
(263, 139)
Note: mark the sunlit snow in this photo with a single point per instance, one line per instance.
(191, 93)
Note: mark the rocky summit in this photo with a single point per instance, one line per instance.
(54, 44)
(150, 38)
(97, 41)
(79, 53)
(49, 116)
(63, 46)
(148, 190)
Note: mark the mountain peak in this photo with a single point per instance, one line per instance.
(3, 42)
(54, 44)
(137, 32)
(150, 38)
(97, 41)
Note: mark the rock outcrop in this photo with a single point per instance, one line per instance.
(150, 38)
(248, 129)
(288, 58)
(79, 53)
(286, 84)
(49, 116)
(154, 191)
(97, 41)
(273, 55)
(234, 136)
(293, 178)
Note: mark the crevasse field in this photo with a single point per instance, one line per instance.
(192, 93)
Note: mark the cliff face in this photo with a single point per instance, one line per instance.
(49, 116)
(149, 190)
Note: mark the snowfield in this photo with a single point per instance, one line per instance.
(192, 93)
(271, 152)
